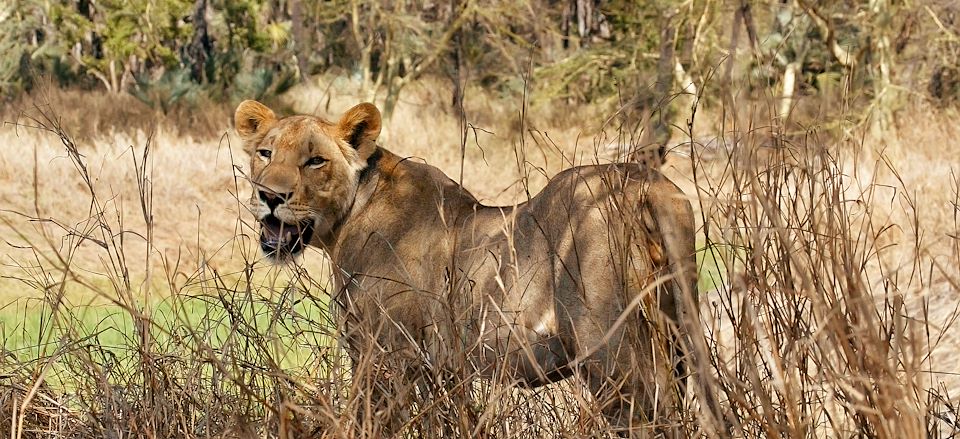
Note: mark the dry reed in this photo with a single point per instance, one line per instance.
(831, 315)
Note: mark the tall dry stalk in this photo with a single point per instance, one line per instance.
(818, 326)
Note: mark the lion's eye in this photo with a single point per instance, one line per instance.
(315, 162)
(265, 153)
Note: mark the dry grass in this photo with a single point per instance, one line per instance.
(98, 116)
(836, 255)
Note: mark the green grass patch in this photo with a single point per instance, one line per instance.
(282, 330)
(712, 270)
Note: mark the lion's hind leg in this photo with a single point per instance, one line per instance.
(635, 388)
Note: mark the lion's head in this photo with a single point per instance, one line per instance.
(304, 171)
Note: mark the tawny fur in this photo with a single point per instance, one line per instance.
(583, 278)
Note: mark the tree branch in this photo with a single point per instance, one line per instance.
(840, 55)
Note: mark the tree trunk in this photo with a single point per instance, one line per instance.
(366, 56)
(747, 15)
(727, 82)
(201, 46)
(883, 60)
(661, 114)
(789, 83)
(584, 20)
(300, 39)
(456, 73)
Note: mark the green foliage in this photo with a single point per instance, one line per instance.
(115, 39)
(577, 50)
(260, 83)
(586, 76)
(241, 23)
(173, 87)
(16, 22)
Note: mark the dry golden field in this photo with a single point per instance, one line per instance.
(133, 297)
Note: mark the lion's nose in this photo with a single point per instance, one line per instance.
(274, 199)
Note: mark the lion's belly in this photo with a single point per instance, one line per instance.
(514, 316)
(523, 344)
(494, 319)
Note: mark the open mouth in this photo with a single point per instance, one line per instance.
(279, 239)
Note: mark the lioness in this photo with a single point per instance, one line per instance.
(587, 277)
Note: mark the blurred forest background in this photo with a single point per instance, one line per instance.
(174, 54)
(817, 141)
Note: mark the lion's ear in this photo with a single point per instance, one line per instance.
(251, 118)
(360, 127)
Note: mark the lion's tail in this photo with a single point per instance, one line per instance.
(674, 219)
